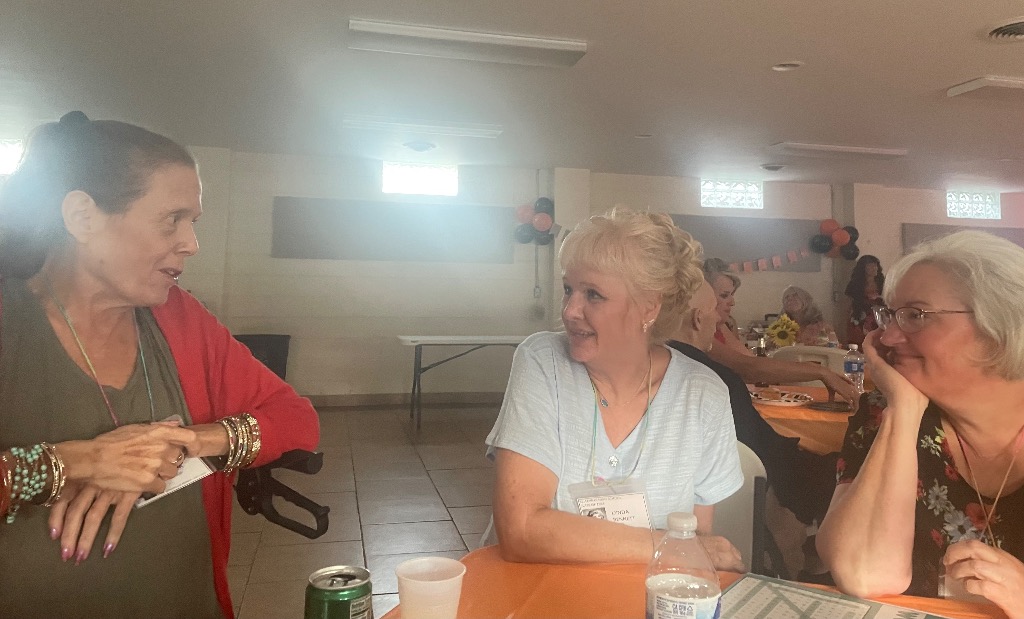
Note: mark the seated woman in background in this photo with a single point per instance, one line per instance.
(725, 284)
(863, 292)
(98, 345)
(798, 304)
(604, 415)
(931, 477)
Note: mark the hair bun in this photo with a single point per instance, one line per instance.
(74, 118)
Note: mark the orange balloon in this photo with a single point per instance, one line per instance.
(834, 252)
(829, 226)
(840, 237)
(542, 222)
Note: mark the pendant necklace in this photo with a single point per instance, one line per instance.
(988, 513)
(88, 362)
(604, 401)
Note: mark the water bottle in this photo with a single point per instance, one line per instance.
(853, 366)
(681, 580)
(761, 351)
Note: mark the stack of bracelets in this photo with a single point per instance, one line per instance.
(243, 440)
(25, 475)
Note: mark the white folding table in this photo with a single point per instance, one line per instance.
(475, 342)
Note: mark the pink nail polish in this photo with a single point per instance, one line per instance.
(65, 553)
(54, 533)
(107, 549)
(81, 556)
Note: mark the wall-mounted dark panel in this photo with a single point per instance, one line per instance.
(917, 233)
(750, 239)
(316, 228)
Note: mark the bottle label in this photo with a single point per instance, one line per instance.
(851, 366)
(670, 607)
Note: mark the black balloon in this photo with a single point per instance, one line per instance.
(525, 233)
(545, 238)
(821, 243)
(544, 205)
(850, 251)
(854, 234)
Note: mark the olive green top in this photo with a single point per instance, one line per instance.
(162, 566)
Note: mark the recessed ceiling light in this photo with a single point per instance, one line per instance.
(772, 167)
(420, 146)
(644, 136)
(791, 65)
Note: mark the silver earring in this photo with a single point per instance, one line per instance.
(647, 325)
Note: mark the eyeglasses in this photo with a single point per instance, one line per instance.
(909, 319)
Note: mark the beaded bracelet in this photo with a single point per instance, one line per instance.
(244, 441)
(6, 484)
(29, 478)
(256, 443)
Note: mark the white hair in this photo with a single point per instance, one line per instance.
(987, 273)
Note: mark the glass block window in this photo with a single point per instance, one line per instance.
(10, 155)
(731, 194)
(421, 179)
(972, 205)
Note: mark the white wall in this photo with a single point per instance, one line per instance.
(760, 293)
(880, 212)
(343, 316)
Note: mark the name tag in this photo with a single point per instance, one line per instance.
(622, 501)
(191, 471)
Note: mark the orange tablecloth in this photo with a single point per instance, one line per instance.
(493, 588)
(819, 431)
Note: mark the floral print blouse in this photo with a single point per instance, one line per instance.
(947, 507)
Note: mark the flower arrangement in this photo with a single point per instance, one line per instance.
(783, 331)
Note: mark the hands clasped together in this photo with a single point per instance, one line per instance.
(113, 470)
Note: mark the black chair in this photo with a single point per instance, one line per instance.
(256, 489)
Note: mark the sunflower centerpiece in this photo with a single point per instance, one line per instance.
(783, 331)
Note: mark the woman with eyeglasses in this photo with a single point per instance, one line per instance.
(930, 499)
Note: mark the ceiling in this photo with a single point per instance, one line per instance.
(272, 76)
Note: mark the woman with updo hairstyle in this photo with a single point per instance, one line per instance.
(604, 414)
(114, 382)
(725, 283)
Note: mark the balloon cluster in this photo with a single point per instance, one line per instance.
(836, 240)
(535, 221)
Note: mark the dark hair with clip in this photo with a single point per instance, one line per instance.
(110, 160)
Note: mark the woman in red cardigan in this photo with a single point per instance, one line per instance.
(116, 384)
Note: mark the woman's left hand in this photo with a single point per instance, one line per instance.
(723, 554)
(989, 572)
(77, 516)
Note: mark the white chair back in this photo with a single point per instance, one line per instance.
(832, 358)
(740, 518)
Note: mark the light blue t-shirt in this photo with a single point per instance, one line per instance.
(690, 455)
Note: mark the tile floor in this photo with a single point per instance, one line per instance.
(394, 494)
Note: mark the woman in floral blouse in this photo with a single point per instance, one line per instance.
(930, 481)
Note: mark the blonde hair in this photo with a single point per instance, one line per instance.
(988, 274)
(648, 252)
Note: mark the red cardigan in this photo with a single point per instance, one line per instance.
(220, 377)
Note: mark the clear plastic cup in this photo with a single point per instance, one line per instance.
(430, 587)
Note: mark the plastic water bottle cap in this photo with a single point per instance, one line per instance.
(853, 347)
(682, 521)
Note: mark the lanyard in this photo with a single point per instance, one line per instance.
(643, 432)
(92, 370)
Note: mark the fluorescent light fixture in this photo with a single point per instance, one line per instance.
(379, 36)
(420, 127)
(10, 155)
(803, 149)
(424, 179)
(988, 81)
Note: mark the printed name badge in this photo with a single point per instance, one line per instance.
(191, 471)
(622, 501)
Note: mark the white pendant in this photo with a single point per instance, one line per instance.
(613, 461)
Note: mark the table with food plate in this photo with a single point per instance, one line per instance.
(804, 412)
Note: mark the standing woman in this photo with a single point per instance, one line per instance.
(864, 292)
(605, 416)
(931, 478)
(97, 346)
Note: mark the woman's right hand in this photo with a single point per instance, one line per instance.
(898, 391)
(76, 518)
(132, 458)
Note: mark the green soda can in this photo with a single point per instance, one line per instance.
(339, 592)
